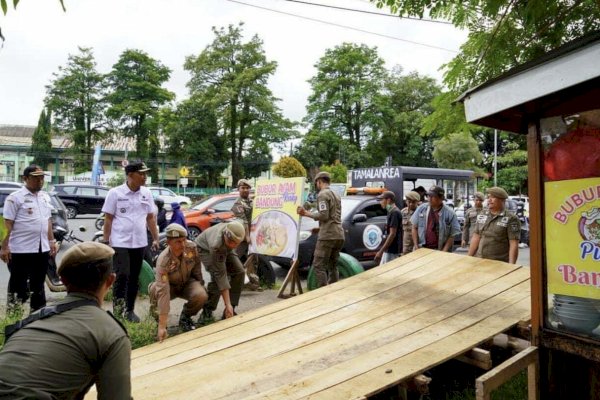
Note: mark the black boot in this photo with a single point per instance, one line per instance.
(131, 317)
(206, 318)
(185, 323)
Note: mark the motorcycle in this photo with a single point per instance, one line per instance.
(150, 256)
(99, 224)
(62, 237)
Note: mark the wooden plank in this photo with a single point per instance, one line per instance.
(297, 315)
(351, 356)
(536, 226)
(311, 299)
(343, 318)
(503, 372)
(291, 277)
(477, 357)
(391, 373)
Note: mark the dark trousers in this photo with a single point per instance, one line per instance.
(235, 274)
(127, 264)
(27, 276)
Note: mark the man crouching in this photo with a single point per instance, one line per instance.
(178, 274)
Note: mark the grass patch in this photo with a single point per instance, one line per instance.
(141, 334)
(9, 319)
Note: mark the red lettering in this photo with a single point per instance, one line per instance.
(568, 273)
(584, 278)
(577, 200)
(560, 217)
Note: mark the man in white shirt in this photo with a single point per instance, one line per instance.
(129, 211)
(30, 241)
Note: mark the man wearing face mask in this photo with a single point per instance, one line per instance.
(331, 234)
(393, 242)
(412, 202)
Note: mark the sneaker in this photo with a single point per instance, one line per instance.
(185, 323)
(254, 287)
(206, 318)
(131, 317)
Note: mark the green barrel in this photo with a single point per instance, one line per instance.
(347, 266)
(146, 277)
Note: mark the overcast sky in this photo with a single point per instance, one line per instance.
(40, 36)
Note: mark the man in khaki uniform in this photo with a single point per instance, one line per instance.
(242, 210)
(178, 274)
(412, 201)
(331, 234)
(471, 218)
(60, 351)
(497, 231)
(224, 266)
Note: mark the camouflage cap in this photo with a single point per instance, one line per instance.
(244, 182)
(479, 196)
(497, 192)
(235, 231)
(175, 231)
(84, 253)
(323, 175)
(413, 196)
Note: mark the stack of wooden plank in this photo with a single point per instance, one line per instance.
(348, 340)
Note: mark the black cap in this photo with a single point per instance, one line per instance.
(387, 195)
(136, 167)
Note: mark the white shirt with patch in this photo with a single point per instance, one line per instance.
(30, 213)
(130, 210)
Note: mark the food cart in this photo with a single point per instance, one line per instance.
(555, 101)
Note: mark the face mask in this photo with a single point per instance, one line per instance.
(389, 207)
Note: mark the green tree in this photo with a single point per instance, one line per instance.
(192, 138)
(338, 171)
(76, 99)
(289, 167)
(345, 92)
(41, 143)
(458, 150)
(230, 76)
(405, 104)
(512, 169)
(136, 96)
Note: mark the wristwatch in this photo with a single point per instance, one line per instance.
(106, 242)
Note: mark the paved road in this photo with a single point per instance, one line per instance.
(250, 299)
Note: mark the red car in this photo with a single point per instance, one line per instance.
(208, 212)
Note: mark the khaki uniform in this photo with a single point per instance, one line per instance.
(495, 232)
(178, 277)
(62, 356)
(331, 236)
(407, 240)
(224, 266)
(242, 210)
(470, 223)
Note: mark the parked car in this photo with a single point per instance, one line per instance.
(169, 196)
(203, 215)
(6, 184)
(363, 221)
(81, 199)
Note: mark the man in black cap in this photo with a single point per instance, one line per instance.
(29, 240)
(434, 224)
(393, 242)
(129, 211)
(60, 351)
(331, 234)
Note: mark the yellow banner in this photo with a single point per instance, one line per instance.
(573, 237)
(275, 223)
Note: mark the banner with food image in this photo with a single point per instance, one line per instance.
(573, 237)
(275, 223)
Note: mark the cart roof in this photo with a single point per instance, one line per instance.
(564, 80)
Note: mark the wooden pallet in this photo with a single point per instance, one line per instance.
(348, 340)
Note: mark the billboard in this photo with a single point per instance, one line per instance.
(275, 224)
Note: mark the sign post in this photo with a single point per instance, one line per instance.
(275, 226)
